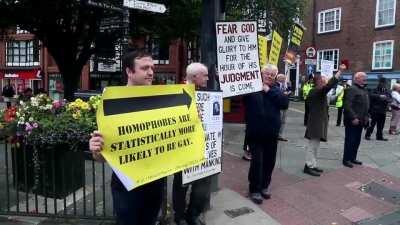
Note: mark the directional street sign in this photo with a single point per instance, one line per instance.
(147, 6)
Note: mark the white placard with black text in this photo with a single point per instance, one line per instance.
(238, 59)
(210, 109)
(327, 68)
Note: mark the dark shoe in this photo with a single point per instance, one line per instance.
(318, 170)
(356, 162)
(310, 171)
(382, 139)
(256, 198)
(348, 164)
(367, 138)
(264, 193)
(246, 156)
(282, 139)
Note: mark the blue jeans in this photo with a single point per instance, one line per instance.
(139, 206)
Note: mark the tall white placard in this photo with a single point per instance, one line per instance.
(327, 68)
(210, 109)
(238, 59)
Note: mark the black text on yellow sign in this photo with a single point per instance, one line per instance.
(297, 34)
(150, 131)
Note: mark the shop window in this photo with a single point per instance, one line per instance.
(193, 50)
(23, 53)
(159, 50)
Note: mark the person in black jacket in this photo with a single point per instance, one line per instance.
(8, 93)
(356, 105)
(263, 125)
(380, 98)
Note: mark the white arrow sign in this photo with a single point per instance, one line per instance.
(148, 6)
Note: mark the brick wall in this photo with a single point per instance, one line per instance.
(357, 34)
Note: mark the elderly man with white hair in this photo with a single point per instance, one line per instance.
(197, 74)
(317, 125)
(395, 105)
(356, 116)
(263, 124)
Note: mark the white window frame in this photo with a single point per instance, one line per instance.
(318, 67)
(322, 13)
(373, 55)
(377, 15)
(22, 64)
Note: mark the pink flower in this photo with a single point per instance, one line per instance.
(28, 127)
(35, 125)
(57, 104)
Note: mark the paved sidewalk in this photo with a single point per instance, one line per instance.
(338, 196)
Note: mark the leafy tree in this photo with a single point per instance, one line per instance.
(278, 14)
(68, 28)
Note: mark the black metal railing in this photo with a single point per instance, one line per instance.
(53, 183)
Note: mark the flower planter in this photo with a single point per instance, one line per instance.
(55, 172)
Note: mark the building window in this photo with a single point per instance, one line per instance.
(383, 55)
(328, 54)
(159, 50)
(23, 53)
(329, 20)
(385, 13)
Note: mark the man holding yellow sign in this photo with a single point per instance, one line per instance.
(145, 133)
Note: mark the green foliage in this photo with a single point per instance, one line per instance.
(182, 20)
(45, 124)
(281, 14)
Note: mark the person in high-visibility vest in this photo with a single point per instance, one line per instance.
(306, 89)
(339, 101)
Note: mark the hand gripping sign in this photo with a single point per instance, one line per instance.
(150, 131)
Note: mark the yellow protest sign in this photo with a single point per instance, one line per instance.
(262, 50)
(297, 35)
(275, 48)
(150, 131)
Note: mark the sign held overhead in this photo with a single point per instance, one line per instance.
(147, 6)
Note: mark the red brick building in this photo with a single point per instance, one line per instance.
(366, 33)
(26, 63)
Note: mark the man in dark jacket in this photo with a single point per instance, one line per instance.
(356, 105)
(317, 125)
(380, 98)
(263, 124)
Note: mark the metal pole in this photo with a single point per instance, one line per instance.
(125, 40)
(210, 14)
(297, 75)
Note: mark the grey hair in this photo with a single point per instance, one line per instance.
(193, 69)
(270, 67)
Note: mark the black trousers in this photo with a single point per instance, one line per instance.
(339, 116)
(139, 206)
(306, 112)
(352, 139)
(199, 197)
(262, 163)
(377, 119)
